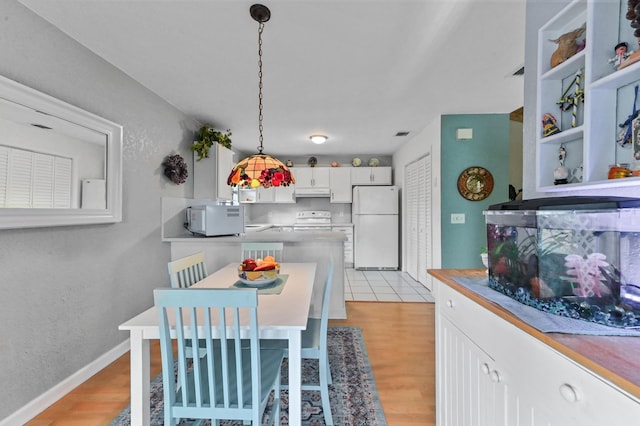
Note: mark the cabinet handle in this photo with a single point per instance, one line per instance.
(568, 392)
(495, 376)
(450, 303)
(485, 368)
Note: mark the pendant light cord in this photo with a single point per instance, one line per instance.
(260, 29)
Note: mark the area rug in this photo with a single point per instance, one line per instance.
(353, 394)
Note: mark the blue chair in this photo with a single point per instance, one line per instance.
(314, 346)
(232, 381)
(259, 250)
(187, 271)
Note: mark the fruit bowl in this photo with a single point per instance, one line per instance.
(258, 278)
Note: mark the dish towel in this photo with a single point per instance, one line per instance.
(543, 321)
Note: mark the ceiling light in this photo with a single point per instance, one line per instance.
(318, 139)
(260, 169)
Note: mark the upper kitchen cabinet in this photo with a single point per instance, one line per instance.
(371, 175)
(311, 180)
(585, 99)
(340, 180)
(281, 194)
(210, 175)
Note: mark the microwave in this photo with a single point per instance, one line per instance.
(215, 220)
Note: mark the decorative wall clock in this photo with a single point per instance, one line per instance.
(475, 183)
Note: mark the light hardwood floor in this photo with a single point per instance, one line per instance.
(399, 338)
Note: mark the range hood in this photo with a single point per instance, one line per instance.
(312, 192)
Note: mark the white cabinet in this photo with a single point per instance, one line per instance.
(588, 136)
(340, 181)
(371, 175)
(311, 177)
(285, 194)
(210, 174)
(348, 243)
(489, 372)
(280, 194)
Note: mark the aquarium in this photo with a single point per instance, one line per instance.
(577, 257)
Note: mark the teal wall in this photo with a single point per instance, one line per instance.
(489, 148)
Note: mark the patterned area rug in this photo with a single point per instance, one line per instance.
(353, 394)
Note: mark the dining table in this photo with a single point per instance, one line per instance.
(282, 314)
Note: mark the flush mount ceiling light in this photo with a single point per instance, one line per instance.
(260, 169)
(318, 139)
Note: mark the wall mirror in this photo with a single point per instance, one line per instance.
(59, 165)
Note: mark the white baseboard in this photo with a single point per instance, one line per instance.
(42, 402)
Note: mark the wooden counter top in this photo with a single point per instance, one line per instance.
(614, 358)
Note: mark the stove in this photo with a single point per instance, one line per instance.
(313, 220)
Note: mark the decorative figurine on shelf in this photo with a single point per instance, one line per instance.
(635, 137)
(633, 15)
(549, 126)
(567, 100)
(561, 173)
(622, 53)
(567, 45)
(356, 162)
(289, 163)
(312, 161)
(625, 135)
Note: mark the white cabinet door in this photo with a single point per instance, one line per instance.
(302, 175)
(470, 388)
(210, 175)
(371, 176)
(311, 177)
(530, 384)
(348, 243)
(265, 195)
(285, 194)
(341, 185)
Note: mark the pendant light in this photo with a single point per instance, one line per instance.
(260, 169)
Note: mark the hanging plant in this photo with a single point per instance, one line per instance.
(175, 168)
(206, 137)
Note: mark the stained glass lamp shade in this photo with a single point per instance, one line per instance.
(260, 170)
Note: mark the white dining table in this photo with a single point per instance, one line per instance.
(280, 316)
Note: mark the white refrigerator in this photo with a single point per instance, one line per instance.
(375, 227)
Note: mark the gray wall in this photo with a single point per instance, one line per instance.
(65, 290)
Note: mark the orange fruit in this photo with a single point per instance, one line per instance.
(269, 259)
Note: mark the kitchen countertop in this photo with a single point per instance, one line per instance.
(616, 359)
(264, 235)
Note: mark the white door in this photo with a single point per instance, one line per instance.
(418, 220)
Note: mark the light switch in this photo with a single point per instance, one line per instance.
(457, 218)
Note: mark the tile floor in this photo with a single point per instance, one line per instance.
(383, 286)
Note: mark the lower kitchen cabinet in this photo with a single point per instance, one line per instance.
(492, 373)
(348, 243)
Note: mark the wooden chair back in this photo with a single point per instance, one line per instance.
(187, 271)
(226, 383)
(259, 250)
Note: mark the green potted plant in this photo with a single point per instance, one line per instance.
(206, 137)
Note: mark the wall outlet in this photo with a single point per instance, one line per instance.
(457, 218)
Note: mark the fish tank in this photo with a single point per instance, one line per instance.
(577, 257)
